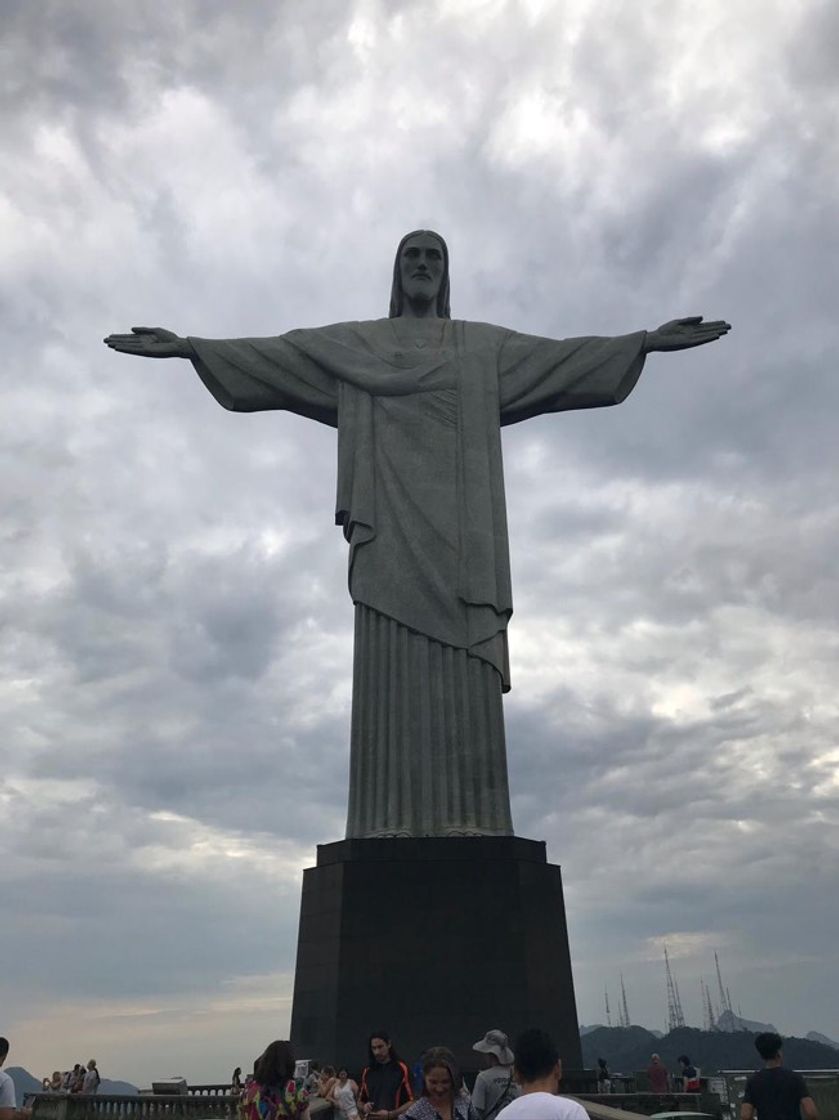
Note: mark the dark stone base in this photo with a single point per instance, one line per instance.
(435, 940)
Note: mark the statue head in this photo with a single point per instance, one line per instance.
(414, 266)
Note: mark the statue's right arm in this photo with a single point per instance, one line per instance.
(246, 374)
(151, 342)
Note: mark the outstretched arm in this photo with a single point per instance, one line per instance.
(151, 342)
(247, 374)
(682, 334)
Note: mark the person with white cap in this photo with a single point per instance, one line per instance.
(494, 1087)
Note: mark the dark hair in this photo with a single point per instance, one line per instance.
(385, 1037)
(4, 1048)
(768, 1044)
(444, 310)
(536, 1054)
(440, 1057)
(276, 1065)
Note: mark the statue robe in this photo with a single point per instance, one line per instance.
(418, 406)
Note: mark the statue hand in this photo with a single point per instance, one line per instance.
(681, 334)
(150, 342)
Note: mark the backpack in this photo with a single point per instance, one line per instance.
(508, 1094)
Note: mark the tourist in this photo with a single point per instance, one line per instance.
(311, 1081)
(55, 1082)
(326, 1081)
(657, 1074)
(443, 1096)
(604, 1081)
(690, 1075)
(236, 1082)
(91, 1079)
(273, 1094)
(8, 1100)
(77, 1078)
(385, 1090)
(494, 1087)
(344, 1095)
(776, 1092)
(539, 1071)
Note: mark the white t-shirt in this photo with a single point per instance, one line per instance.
(7, 1091)
(543, 1106)
(91, 1081)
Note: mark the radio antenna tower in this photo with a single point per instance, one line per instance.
(608, 1010)
(707, 1007)
(623, 1013)
(725, 998)
(675, 1015)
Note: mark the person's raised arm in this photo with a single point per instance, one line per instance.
(151, 342)
(682, 334)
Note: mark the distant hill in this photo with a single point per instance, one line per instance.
(628, 1049)
(26, 1083)
(118, 1088)
(599, 1026)
(728, 1021)
(817, 1036)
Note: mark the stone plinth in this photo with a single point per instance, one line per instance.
(436, 940)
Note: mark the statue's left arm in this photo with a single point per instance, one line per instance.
(539, 375)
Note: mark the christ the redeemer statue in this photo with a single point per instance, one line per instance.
(419, 400)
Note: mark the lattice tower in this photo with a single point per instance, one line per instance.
(675, 1015)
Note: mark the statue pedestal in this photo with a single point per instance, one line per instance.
(436, 940)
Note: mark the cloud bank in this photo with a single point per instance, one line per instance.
(176, 634)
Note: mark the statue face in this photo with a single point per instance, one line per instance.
(421, 268)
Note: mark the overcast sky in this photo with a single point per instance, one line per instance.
(176, 631)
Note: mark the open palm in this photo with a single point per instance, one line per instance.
(681, 334)
(149, 342)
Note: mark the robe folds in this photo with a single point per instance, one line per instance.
(418, 405)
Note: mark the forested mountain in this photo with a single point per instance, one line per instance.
(628, 1049)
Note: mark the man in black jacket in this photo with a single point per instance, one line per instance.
(385, 1089)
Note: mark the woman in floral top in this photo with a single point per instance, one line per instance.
(443, 1095)
(273, 1093)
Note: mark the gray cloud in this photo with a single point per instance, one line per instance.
(175, 634)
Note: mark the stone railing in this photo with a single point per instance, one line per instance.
(201, 1102)
(207, 1102)
(144, 1106)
